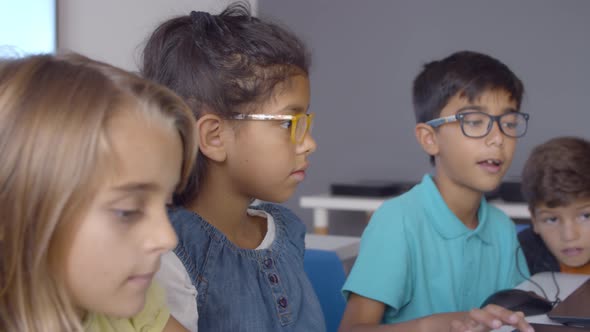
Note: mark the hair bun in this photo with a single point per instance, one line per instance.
(204, 21)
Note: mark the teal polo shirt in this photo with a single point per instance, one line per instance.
(419, 259)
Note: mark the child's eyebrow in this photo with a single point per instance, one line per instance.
(471, 108)
(138, 186)
(482, 109)
(539, 211)
(293, 108)
(584, 206)
(545, 210)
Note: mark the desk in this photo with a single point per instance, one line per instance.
(346, 247)
(568, 283)
(321, 204)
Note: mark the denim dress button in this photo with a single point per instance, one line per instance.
(268, 263)
(273, 279)
(282, 302)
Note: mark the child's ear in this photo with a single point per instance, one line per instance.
(426, 137)
(210, 137)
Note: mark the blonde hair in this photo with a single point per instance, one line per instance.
(53, 117)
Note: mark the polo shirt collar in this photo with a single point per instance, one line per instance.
(445, 221)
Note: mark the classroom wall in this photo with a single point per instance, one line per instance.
(115, 30)
(366, 54)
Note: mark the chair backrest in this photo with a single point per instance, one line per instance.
(521, 227)
(327, 276)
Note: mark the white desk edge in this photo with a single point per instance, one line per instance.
(324, 202)
(346, 247)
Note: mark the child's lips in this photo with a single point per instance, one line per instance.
(299, 175)
(571, 252)
(301, 171)
(491, 165)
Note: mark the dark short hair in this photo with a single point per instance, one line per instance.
(222, 63)
(557, 173)
(465, 73)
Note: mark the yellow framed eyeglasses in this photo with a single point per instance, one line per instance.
(300, 124)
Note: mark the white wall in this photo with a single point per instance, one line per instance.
(114, 30)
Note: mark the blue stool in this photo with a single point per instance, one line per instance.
(326, 273)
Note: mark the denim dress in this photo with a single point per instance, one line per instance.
(246, 290)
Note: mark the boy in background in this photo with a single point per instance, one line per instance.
(556, 186)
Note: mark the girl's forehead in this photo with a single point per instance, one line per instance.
(293, 95)
(133, 138)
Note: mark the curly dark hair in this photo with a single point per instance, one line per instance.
(557, 172)
(222, 64)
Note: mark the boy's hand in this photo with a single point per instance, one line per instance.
(489, 318)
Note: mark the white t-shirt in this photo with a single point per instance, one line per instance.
(181, 294)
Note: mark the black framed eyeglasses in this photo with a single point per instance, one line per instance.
(479, 124)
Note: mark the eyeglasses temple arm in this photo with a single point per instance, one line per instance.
(440, 121)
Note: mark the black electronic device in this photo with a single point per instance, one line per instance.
(555, 328)
(530, 303)
(575, 309)
(510, 191)
(371, 188)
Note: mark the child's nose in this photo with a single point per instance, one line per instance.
(569, 231)
(308, 145)
(162, 235)
(495, 136)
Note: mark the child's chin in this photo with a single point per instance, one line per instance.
(487, 187)
(575, 262)
(127, 308)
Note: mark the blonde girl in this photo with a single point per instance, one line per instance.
(90, 155)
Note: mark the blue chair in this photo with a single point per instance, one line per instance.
(326, 273)
(521, 227)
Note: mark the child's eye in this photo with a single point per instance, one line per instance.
(286, 124)
(550, 220)
(127, 215)
(585, 216)
(510, 125)
(474, 123)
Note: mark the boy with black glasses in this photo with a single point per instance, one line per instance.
(431, 255)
